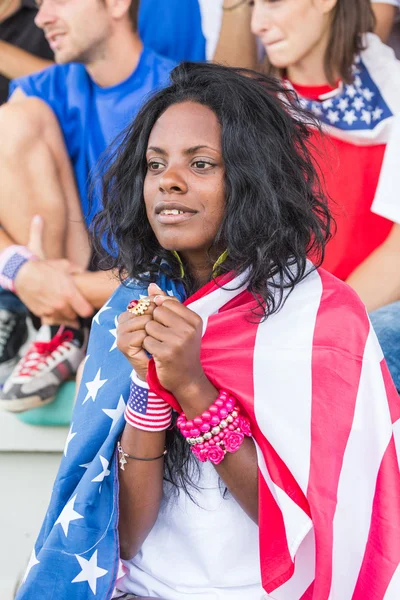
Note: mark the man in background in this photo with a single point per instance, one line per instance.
(23, 47)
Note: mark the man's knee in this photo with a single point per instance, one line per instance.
(23, 124)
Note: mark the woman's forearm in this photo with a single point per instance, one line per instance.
(141, 488)
(239, 471)
(236, 45)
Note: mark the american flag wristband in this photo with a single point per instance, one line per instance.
(11, 260)
(145, 410)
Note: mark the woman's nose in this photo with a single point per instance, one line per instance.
(260, 22)
(172, 182)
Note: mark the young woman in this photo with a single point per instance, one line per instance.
(256, 458)
(351, 81)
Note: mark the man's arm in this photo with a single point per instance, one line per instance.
(15, 62)
(97, 286)
(377, 279)
(236, 45)
(385, 15)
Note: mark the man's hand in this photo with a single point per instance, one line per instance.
(47, 288)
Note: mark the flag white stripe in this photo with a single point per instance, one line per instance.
(146, 418)
(304, 572)
(369, 437)
(396, 435)
(392, 593)
(283, 377)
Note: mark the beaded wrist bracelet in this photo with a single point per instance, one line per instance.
(11, 260)
(145, 410)
(219, 430)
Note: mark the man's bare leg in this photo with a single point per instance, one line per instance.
(37, 178)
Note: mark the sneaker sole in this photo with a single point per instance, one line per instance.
(19, 405)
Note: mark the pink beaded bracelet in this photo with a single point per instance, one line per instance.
(219, 430)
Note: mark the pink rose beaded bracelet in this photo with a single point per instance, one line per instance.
(219, 430)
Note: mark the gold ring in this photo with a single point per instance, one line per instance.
(138, 307)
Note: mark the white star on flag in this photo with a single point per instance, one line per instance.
(333, 116)
(350, 117)
(368, 95)
(105, 472)
(351, 91)
(343, 104)
(327, 103)
(70, 437)
(86, 465)
(68, 514)
(90, 571)
(366, 116)
(358, 103)
(317, 110)
(32, 562)
(94, 386)
(103, 309)
(170, 293)
(115, 413)
(377, 113)
(114, 333)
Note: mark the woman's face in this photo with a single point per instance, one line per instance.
(292, 30)
(184, 185)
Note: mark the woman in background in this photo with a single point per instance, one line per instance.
(350, 80)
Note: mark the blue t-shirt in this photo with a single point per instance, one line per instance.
(173, 28)
(90, 116)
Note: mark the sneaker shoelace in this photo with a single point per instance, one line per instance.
(40, 354)
(6, 327)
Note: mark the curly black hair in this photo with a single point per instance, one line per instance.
(276, 213)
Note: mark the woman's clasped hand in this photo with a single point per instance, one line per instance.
(171, 333)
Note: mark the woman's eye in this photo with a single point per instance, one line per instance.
(202, 165)
(154, 165)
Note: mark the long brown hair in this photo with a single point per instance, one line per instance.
(351, 19)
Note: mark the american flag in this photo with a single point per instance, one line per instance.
(144, 408)
(362, 112)
(326, 421)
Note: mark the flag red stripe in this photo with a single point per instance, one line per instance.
(393, 396)
(382, 555)
(331, 424)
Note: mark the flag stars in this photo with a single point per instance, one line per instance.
(96, 318)
(68, 514)
(333, 116)
(69, 439)
(351, 91)
(32, 562)
(343, 104)
(105, 472)
(350, 117)
(94, 386)
(366, 117)
(90, 572)
(115, 413)
(114, 334)
(377, 113)
(358, 103)
(368, 94)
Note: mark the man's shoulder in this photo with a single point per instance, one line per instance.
(156, 62)
(56, 78)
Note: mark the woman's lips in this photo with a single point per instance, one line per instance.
(174, 219)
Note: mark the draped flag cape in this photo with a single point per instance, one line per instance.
(324, 414)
